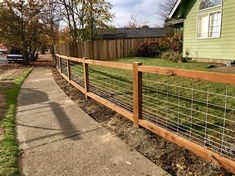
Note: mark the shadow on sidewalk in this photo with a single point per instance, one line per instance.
(39, 99)
(66, 125)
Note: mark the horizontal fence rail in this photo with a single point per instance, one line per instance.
(193, 109)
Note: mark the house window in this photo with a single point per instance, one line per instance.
(209, 25)
(205, 4)
(215, 24)
(203, 26)
(209, 20)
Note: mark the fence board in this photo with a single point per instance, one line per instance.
(202, 75)
(195, 148)
(103, 49)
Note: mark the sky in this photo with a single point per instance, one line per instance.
(145, 10)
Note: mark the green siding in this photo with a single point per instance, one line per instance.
(219, 48)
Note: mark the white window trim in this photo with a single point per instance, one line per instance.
(208, 14)
(209, 8)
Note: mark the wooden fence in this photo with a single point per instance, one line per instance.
(80, 73)
(103, 49)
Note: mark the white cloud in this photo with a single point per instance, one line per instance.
(146, 11)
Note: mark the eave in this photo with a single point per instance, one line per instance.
(174, 9)
(175, 21)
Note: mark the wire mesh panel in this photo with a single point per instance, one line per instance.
(114, 85)
(64, 68)
(77, 73)
(198, 110)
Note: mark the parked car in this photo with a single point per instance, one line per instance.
(15, 55)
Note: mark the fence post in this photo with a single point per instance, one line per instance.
(68, 69)
(56, 62)
(137, 94)
(60, 64)
(86, 76)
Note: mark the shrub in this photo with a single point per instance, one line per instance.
(177, 42)
(172, 44)
(173, 56)
(165, 45)
(148, 49)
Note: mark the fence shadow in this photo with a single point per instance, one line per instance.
(38, 99)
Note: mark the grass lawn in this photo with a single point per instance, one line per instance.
(8, 143)
(199, 110)
(192, 65)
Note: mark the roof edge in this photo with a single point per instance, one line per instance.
(174, 9)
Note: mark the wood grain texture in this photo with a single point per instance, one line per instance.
(102, 49)
(137, 94)
(85, 76)
(201, 75)
(193, 147)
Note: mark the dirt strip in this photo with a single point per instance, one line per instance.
(169, 156)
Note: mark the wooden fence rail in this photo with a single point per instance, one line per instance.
(102, 49)
(137, 70)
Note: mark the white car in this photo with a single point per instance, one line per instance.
(15, 55)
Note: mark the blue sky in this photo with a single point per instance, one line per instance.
(145, 10)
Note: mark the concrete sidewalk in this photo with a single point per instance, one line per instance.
(57, 138)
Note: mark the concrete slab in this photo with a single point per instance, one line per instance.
(57, 138)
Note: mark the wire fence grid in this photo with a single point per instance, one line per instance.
(76, 70)
(201, 111)
(112, 85)
(64, 68)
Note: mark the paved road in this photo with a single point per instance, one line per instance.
(58, 138)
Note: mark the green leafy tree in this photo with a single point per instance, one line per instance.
(51, 19)
(99, 17)
(22, 25)
(85, 18)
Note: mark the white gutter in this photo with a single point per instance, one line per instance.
(174, 9)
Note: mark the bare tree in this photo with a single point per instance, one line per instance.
(165, 8)
(132, 23)
(136, 22)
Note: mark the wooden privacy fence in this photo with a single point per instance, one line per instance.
(193, 109)
(103, 49)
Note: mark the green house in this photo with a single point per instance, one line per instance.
(208, 27)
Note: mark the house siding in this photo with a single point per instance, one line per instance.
(219, 48)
